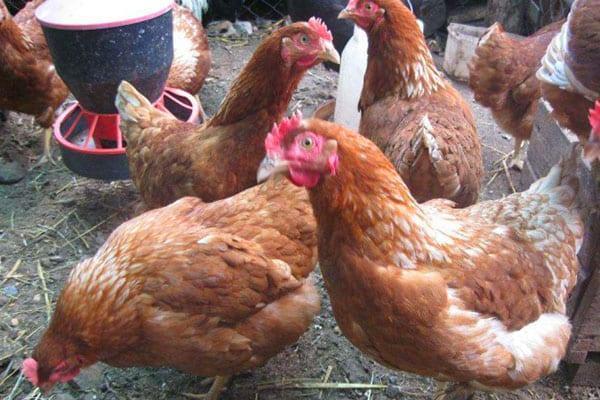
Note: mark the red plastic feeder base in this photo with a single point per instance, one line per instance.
(92, 144)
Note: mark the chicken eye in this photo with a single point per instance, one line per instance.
(304, 39)
(368, 6)
(308, 143)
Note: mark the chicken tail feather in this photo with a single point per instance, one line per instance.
(562, 174)
(445, 172)
(131, 103)
(562, 186)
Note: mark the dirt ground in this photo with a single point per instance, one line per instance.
(52, 219)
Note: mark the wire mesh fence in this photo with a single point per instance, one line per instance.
(268, 9)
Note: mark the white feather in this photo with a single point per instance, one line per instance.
(350, 83)
(198, 7)
(556, 71)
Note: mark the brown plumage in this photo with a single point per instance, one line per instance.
(170, 159)
(209, 289)
(191, 56)
(475, 296)
(28, 80)
(411, 111)
(570, 72)
(502, 77)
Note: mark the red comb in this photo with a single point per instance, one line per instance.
(281, 130)
(30, 367)
(595, 118)
(319, 26)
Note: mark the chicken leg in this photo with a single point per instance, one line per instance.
(202, 114)
(518, 159)
(217, 387)
(47, 152)
(48, 145)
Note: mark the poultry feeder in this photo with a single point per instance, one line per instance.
(95, 45)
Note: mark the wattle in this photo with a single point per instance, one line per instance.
(307, 179)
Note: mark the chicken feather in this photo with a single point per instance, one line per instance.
(475, 295)
(28, 80)
(210, 289)
(401, 87)
(502, 75)
(571, 68)
(170, 159)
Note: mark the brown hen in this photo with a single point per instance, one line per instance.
(170, 159)
(28, 80)
(411, 111)
(474, 296)
(570, 72)
(209, 289)
(191, 55)
(502, 77)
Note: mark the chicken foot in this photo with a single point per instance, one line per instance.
(217, 387)
(518, 159)
(47, 154)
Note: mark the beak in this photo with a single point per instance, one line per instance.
(346, 14)
(270, 167)
(329, 53)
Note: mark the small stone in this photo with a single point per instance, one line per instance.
(37, 298)
(10, 290)
(3, 300)
(45, 262)
(244, 27)
(322, 345)
(56, 259)
(11, 172)
(14, 322)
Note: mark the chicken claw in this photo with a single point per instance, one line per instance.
(219, 383)
(519, 155)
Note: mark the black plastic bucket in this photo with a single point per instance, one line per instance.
(93, 62)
